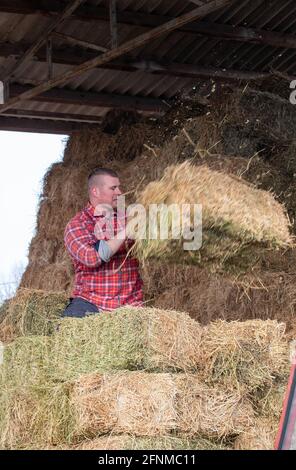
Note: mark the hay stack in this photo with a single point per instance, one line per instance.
(249, 354)
(156, 404)
(53, 391)
(210, 296)
(31, 312)
(234, 214)
(128, 338)
(225, 137)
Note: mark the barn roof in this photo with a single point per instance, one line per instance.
(64, 64)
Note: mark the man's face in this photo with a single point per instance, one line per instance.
(107, 190)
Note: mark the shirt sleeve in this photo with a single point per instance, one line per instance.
(104, 250)
(79, 244)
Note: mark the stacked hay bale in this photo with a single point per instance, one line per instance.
(59, 379)
(268, 289)
(147, 378)
(31, 312)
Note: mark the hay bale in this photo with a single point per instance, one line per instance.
(128, 338)
(234, 214)
(147, 404)
(249, 354)
(26, 361)
(33, 408)
(34, 417)
(31, 312)
(210, 296)
(211, 411)
(37, 407)
(135, 403)
(269, 401)
(125, 442)
(259, 437)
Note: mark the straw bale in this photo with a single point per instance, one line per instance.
(259, 437)
(211, 411)
(249, 354)
(136, 403)
(17, 415)
(147, 404)
(31, 312)
(34, 372)
(127, 338)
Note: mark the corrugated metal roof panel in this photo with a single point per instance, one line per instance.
(179, 47)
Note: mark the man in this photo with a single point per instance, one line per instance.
(106, 277)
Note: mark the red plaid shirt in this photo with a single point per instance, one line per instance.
(107, 285)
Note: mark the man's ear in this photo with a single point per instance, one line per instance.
(95, 191)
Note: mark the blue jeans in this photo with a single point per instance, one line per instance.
(79, 307)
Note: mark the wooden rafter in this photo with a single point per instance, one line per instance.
(93, 99)
(49, 115)
(69, 9)
(216, 30)
(40, 125)
(147, 20)
(128, 46)
(113, 24)
(71, 56)
(78, 42)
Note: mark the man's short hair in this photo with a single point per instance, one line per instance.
(100, 172)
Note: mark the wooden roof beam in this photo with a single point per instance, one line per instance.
(128, 46)
(148, 20)
(48, 115)
(72, 56)
(40, 126)
(93, 99)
